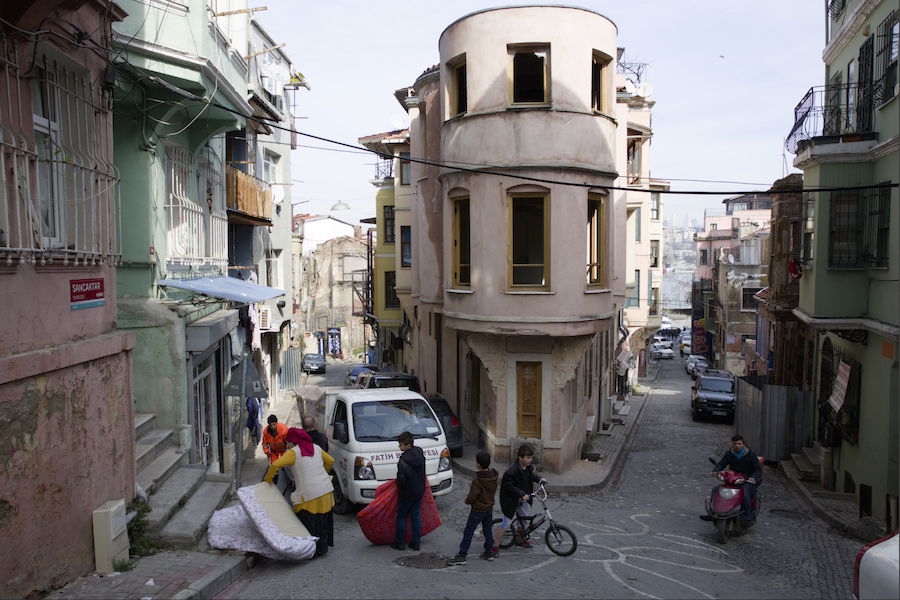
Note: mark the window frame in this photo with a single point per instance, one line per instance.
(655, 205)
(600, 81)
(634, 155)
(633, 300)
(459, 224)
(596, 240)
(654, 254)
(405, 168)
(405, 246)
(458, 94)
(703, 257)
(836, 226)
(638, 215)
(391, 299)
(512, 197)
(389, 218)
(749, 292)
(516, 49)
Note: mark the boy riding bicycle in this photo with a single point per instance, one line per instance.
(516, 489)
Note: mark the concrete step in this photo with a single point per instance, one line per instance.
(830, 495)
(151, 445)
(173, 494)
(187, 525)
(155, 474)
(812, 455)
(143, 423)
(624, 410)
(808, 471)
(790, 471)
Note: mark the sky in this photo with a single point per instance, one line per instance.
(725, 76)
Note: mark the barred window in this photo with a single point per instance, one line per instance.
(390, 292)
(878, 227)
(845, 230)
(887, 49)
(389, 234)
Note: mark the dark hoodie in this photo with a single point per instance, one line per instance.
(482, 490)
(411, 474)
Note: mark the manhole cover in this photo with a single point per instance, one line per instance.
(788, 514)
(426, 560)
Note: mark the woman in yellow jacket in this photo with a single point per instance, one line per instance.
(313, 497)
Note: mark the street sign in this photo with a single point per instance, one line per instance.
(245, 381)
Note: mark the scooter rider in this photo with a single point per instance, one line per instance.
(744, 461)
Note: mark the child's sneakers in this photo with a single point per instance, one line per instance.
(459, 559)
(487, 555)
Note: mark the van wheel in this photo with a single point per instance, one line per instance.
(342, 505)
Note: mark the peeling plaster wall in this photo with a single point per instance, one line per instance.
(66, 445)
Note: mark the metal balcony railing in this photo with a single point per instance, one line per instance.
(247, 194)
(832, 110)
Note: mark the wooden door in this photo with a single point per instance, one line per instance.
(528, 399)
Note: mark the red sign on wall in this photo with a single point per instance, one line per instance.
(86, 293)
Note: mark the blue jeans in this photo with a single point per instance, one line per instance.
(476, 517)
(749, 492)
(410, 507)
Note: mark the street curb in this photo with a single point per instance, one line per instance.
(811, 505)
(614, 468)
(215, 581)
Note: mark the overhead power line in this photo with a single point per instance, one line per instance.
(490, 169)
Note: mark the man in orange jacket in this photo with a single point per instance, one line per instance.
(273, 440)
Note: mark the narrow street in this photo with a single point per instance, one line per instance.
(639, 538)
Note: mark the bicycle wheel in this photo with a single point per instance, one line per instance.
(560, 540)
(508, 539)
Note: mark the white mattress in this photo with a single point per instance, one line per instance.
(263, 523)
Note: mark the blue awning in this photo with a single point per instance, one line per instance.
(227, 288)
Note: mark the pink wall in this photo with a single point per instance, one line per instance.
(66, 446)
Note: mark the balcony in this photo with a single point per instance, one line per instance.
(831, 114)
(247, 198)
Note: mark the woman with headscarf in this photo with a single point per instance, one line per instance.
(313, 498)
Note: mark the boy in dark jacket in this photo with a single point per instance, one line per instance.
(481, 499)
(410, 488)
(516, 488)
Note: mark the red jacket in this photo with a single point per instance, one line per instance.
(274, 445)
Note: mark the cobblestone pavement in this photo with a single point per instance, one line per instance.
(639, 538)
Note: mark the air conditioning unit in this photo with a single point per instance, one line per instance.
(265, 318)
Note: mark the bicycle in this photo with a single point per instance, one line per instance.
(558, 538)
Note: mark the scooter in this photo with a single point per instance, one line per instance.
(723, 507)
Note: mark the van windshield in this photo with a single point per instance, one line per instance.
(387, 419)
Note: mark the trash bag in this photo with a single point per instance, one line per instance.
(378, 520)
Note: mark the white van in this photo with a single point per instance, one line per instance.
(362, 428)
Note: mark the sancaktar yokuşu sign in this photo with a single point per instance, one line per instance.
(86, 293)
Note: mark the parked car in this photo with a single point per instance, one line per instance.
(713, 395)
(314, 363)
(699, 368)
(691, 361)
(657, 351)
(355, 370)
(876, 568)
(450, 422)
(371, 379)
(685, 347)
(663, 342)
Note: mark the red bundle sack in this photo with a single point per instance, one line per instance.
(378, 520)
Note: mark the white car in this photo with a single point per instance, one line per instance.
(875, 574)
(662, 342)
(657, 351)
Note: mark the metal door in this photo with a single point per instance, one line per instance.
(204, 396)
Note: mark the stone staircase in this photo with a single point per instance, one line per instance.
(182, 497)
